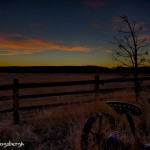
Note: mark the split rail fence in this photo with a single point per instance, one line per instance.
(17, 97)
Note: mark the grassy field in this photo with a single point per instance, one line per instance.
(60, 128)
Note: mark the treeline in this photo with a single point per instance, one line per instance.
(71, 69)
(55, 69)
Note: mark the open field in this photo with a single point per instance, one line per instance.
(60, 128)
(6, 78)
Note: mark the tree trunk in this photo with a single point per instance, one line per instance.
(136, 84)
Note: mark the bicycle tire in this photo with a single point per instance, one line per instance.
(98, 136)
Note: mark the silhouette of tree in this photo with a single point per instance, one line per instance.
(131, 49)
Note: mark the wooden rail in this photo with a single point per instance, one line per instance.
(16, 86)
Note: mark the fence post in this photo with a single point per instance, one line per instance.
(16, 101)
(96, 92)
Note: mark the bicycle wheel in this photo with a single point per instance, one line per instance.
(96, 129)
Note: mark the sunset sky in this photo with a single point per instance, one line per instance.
(64, 32)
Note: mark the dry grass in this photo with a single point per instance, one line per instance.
(51, 129)
(60, 128)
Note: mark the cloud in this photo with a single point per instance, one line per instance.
(95, 3)
(141, 36)
(18, 44)
(144, 36)
(118, 21)
(108, 51)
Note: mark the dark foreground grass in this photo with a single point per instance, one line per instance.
(60, 128)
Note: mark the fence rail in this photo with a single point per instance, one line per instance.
(16, 86)
(69, 83)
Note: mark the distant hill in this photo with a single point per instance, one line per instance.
(55, 69)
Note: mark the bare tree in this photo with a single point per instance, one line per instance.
(131, 49)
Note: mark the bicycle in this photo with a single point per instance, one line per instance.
(99, 131)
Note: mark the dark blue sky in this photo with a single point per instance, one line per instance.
(64, 32)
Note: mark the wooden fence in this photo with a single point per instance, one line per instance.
(16, 96)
